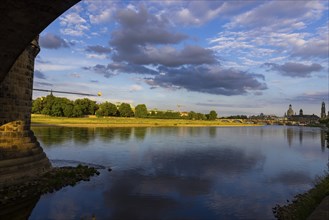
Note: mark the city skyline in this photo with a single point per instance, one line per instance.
(237, 58)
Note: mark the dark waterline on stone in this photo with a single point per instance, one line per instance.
(182, 173)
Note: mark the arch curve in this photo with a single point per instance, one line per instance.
(21, 22)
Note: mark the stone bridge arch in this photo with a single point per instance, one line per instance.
(21, 22)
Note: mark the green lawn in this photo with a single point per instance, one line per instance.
(123, 122)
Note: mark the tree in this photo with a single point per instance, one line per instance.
(191, 115)
(77, 111)
(106, 109)
(37, 106)
(100, 112)
(212, 115)
(196, 116)
(141, 111)
(48, 102)
(171, 115)
(87, 106)
(56, 108)
(111, 109)
(68, 110)
(200, 116)
(125, 110)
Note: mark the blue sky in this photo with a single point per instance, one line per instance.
(235, 57)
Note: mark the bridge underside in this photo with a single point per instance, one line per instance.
(21, 22)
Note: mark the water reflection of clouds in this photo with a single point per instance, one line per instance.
(233, 207)
(176, 178)
(292, 177)
(126, 202)
(178, 173)
(201, 161)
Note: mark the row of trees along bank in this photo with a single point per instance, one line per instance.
(63, 107)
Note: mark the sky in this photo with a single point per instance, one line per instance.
(234, 57)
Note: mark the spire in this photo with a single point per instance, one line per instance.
(323, 110)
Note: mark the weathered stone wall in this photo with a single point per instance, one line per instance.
(20, 152)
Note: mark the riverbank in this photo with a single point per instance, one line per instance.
(43, 120)
(310, 205)
(14, 195)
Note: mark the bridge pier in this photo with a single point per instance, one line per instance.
(20, 153)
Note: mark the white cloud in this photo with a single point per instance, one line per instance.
(71, 19)
(276, 15)
(96, 56)
(75, 75)
(103, 17)
(77, 30)
(73, 24)
(101, 11)
(258, 45)
(54, 67)
(186, 17)
(135, 88)
(198, 12)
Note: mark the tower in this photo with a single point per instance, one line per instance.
(290, 112)
(301, 112)
(323, 110)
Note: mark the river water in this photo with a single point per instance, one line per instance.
(182, 172)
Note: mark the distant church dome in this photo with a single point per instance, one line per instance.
(290, 112)
(301, 112)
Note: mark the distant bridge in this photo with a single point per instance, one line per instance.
(232, 120)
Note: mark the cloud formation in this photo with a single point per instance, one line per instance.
(316, 46)
(115, 68)
(190, 44)
(40, 75)
(42, 84)
(144, 39)
(311, 97)
(213, 80)
(52, 41)
(73, 24)
(98, 49)
(278, 15)
(101, 69)
(295, 69)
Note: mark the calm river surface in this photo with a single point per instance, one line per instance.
(182, 172)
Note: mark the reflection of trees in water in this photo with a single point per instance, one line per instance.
(58, 135)
(106, 134)
(83, 135)
(125, 133)
(156, 131)
(52, 135)
(212, 132)
(140, 133)
(109, 134)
